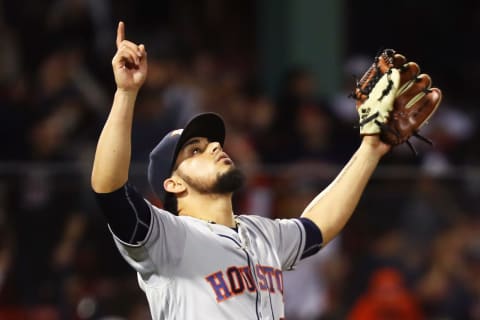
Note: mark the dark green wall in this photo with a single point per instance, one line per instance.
(301, 32)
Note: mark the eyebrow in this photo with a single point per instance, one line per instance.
(190, 142)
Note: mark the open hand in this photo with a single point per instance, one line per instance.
(129, 63)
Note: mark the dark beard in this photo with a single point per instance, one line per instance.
(229, 182)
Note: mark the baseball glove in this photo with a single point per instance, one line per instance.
(393, 100)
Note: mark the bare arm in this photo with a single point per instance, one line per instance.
(333, 207)
(112, 157)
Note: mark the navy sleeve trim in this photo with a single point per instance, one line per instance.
(298, 250)
(314, 238)
(127, 213)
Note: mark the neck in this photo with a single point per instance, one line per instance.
(213, 208)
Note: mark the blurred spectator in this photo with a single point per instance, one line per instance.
(49, 227)
(10, 64)
(381, 249)
(315, 278)
(387, 297)
(342, 103)
(451, 130)
(315, 129)
(186, 91)
(15, 119)
(48, 217)
(431, 207)
(296, 89)
(440, 288)
(472, 269)
(7, 289)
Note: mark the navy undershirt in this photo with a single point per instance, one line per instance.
(127, 213)
(129, 218)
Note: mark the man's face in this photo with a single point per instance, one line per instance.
(206, 168)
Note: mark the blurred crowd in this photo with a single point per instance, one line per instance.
(411, 250)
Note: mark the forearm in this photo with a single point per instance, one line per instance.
(112, 157)
(333, 207)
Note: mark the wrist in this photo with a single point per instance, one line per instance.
(124, 99)
(374, 146)
(129, 93)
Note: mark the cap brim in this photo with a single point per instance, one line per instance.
(205, 125)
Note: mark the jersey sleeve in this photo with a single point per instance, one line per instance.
(293, 239)
(149, 239)
(162, 248)
(290, 239)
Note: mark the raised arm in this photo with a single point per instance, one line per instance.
(112, 157)
(333, 207)
(393, 101)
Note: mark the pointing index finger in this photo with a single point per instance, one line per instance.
(120, 33)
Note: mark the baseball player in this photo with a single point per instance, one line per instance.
(197, 259)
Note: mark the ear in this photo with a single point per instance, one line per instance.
(174, 185)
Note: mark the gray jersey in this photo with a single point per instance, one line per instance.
(192, 269)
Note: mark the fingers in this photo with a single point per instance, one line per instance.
(408, 72)
(416, 91)
(129, 57)
(131, 49)
(423, 107)
(128, 53)
(120, 33)
(141, 47)
(132, 46)
(143, 54)
(121, 39)
(399, 60)
(432, 101)
(435, 94)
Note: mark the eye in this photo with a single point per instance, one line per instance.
(196, 150)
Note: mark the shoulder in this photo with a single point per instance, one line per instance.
(251, 219)
(266, 225)
(168, 219)
(157, 210)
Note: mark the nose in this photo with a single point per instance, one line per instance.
(215, 147)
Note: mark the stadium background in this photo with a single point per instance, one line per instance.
(280, 73)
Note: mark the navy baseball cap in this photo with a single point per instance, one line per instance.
(163, 156)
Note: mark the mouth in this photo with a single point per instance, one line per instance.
(223, 157)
